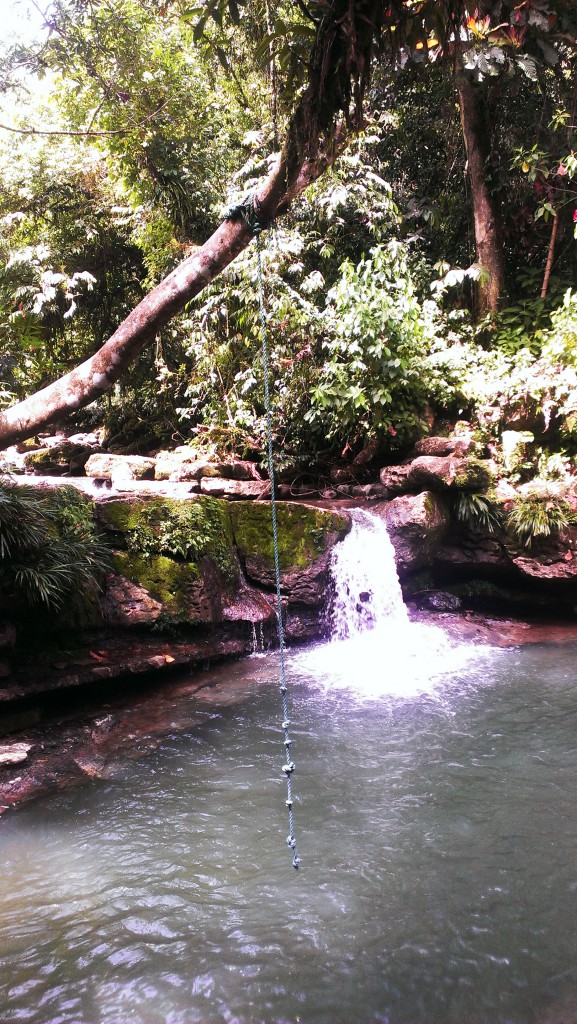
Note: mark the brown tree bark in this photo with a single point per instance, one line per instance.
(488, 235)
(337, 75)
(96, 375)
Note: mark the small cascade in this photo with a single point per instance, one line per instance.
(375, 650)
(257, 638)
(366, 589)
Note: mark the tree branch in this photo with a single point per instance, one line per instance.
(96, 375)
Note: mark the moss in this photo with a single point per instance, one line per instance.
(173, 584)
(474, 475)
(303, 532)
(184, 531)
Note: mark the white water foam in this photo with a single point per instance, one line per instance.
(366, 588)
(375, 650)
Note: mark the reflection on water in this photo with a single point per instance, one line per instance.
(437, 828)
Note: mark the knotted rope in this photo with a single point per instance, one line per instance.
(248, 212)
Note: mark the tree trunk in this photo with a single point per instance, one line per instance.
(97, 374)
(337, 75)
(550, 257)
(488, 235)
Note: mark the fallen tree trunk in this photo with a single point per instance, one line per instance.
(338, 73)
(96, 375)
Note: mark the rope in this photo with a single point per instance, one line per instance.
(289, 766)
(248, 211)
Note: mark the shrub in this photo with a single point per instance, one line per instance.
(49, 550)
(533, 516)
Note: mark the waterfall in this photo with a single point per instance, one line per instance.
(366, 589)
(374, 649)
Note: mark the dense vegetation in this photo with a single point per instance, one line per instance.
(429, 275)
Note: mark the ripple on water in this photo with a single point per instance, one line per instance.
(437, 829)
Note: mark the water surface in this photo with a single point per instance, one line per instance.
(436, 822)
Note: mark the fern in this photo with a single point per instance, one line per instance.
(477, 512)
(49, 550)
(533, 517)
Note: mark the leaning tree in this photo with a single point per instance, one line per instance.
(327, 70)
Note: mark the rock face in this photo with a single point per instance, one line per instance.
(205, 561)
(188, 579)
(416, 524)
(305, 535)
(448, 521)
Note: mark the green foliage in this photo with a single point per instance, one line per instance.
(378, 373)
(532, 517)
(478, 512)
(49, 551)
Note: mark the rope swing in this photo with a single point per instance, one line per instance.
(247, 211)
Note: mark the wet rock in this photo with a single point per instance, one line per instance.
(306, 536)
(127, 604)
(439, 601)
(250, 605)
(416, 525)
(14, 753)
(238, 489)
(122, 467)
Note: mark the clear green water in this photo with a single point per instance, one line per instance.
(437, 826)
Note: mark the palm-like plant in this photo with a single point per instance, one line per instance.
(49, 550)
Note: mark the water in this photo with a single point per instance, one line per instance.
(436, 821)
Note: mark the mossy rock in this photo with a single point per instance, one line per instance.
(178, 586)
(305, 534)
(442, 473)
(60, 458)
(184, 531)
(474, 475)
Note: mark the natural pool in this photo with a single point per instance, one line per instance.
(436, 819)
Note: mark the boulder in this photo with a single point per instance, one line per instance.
(457, 446)
(367, 491)
(416, 524)
(64, 457)
(441, 473)
(103, 466)
(240, 489)
(186, 464)
(306, 536)
(395, 479)
(176, 465)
